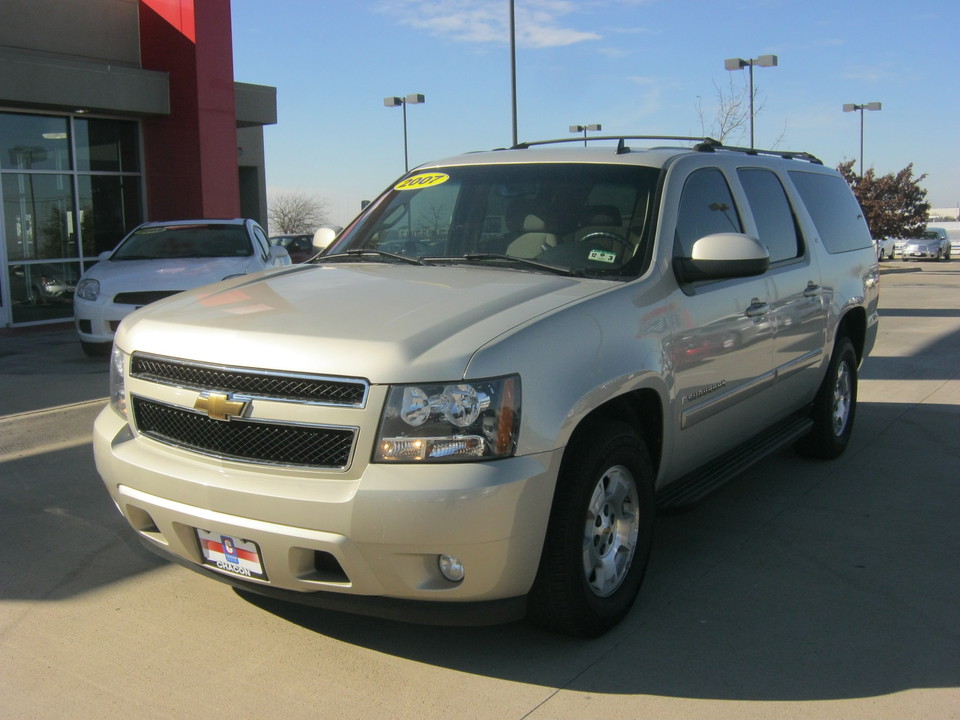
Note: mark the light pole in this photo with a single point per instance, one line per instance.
(851, 107)
(739, 64)
(594, 127)
(411, 99)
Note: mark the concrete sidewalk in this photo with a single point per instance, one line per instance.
(44, 367)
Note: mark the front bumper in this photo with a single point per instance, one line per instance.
(96, 322)
(366, 545)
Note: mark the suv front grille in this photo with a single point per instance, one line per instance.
(245, 440)
(252, 383)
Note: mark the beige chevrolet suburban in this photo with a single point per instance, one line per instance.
(468, 408)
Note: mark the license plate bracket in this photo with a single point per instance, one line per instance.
(232, 555)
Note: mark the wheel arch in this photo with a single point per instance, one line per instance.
(642, 410)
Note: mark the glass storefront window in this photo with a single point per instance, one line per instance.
(34, 142)
(109, 209)
(42, 291)
(38, 216)
(107, 145)
(59, 210)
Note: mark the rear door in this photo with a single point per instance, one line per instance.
(798, 309)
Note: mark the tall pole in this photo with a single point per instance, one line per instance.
(853, 107)
(513, 69)
(861, 142)
(751, 105)
(406, 162)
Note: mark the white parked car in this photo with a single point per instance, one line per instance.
(886, 248)
(159, 259)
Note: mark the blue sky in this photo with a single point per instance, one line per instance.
(635, 66)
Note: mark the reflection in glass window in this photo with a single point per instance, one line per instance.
(42, 291)
(772, 212)
(107, 145)
(38, 216)
(706, 208)
(109, 208)
(34, 142)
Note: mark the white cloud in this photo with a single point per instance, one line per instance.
(539, 23)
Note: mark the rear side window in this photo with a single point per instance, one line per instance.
(772, 213)
(835, 211)
(706, 207)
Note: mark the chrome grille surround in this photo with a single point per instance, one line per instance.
(250, 382)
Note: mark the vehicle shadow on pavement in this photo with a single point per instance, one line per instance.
(798, 581)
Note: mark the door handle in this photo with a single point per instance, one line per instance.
(813, 290)
(757, 308)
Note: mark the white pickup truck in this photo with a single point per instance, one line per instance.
(469, 406)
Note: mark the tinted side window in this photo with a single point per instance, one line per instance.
(772, 213)
(835, 211)
(706, 207)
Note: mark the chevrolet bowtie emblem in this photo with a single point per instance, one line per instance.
(218, 406)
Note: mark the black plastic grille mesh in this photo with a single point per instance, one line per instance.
(249, 382)
(144, 297)
(247, 440)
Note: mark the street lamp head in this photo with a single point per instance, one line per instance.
(594, 127)
(767, 61)
(734, 64)
(392, 102)
(577, 128)
(874, 106)
(415, 98)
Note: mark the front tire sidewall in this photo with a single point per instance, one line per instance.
(826, 440)
(562, 599)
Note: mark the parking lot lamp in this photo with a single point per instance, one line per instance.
(852, 107)
(739, 64)
(411, 99)
(594, 127)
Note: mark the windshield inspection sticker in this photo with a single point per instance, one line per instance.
(421, 181)
(602, 256)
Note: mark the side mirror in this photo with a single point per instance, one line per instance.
(722, 256)
(325, 235)
(279, 255)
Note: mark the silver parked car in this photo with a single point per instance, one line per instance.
(469, 406)
(933, 245)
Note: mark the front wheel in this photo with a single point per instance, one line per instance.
(599, 536)
(835, 406)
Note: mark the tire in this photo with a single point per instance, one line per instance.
(599, 535)
(835, 406)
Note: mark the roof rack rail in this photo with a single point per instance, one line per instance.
(620, 138)
(703, 144)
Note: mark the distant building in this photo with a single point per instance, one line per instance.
(944, 214)
(113, 112)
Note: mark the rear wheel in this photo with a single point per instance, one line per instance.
(600, 532)
(835, 406)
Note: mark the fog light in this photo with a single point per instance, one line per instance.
(451, 568)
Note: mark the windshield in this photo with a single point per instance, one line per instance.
(185, 241)
(569, 217)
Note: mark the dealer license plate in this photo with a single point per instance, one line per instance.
(230, 554)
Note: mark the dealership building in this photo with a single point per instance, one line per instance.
(112, 113)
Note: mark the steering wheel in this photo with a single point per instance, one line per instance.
(602, 234)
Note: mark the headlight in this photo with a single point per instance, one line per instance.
(118, 394)
(458, 421)
(88, 289)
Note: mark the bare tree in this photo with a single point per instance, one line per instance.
(731, 117)
(296, 212)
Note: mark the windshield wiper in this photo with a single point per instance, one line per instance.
(500, 257)
(370, 252)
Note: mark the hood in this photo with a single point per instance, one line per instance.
(383, 322)
(165, 274)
